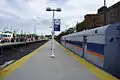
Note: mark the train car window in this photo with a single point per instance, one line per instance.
(1, 35)
(4, 35)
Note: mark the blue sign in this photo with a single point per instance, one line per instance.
(57, 24)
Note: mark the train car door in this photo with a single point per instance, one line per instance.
(112, 50)
(84, 45)
(65, 42)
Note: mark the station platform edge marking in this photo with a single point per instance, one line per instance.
(11, 68)
(97, 71)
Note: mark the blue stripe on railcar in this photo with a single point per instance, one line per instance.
(77, 43)
(95, 47)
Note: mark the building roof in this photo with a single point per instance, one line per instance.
(111, 7)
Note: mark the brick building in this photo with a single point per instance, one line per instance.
(91, 20)
(112, 16)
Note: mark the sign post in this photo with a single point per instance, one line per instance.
(55, 27)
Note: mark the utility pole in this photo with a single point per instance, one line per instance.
(35, 30)
(105, 12)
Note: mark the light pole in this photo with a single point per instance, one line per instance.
(104, 2)
(35, 29)
(6, 27)
(105, 12)
(53, 10)
(21, 33)
(67, 26)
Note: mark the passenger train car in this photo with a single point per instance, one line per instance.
(99, 46)
(6, 37)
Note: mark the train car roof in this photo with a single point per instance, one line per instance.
(6, 33)
(91, 32)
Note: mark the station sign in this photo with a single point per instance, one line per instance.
(57, 23)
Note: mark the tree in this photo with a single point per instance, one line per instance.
(8, 32)
(48, 36)
(70, 30)
(66, 32)
(81, 26)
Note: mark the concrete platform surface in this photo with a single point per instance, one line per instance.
(42, 67)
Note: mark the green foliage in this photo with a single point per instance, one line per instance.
(8, 32)
(81, 26)
(70, 30)
(66, 32)
(48, 36)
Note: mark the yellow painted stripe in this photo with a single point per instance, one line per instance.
(9, 69)
(98, 72)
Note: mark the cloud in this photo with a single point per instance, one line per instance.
(26, 14)
(58, 2)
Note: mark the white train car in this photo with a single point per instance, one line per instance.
(99, 46)
(6, 36)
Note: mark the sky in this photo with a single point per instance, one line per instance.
(28, 15)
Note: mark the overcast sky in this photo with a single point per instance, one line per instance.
(26, 14)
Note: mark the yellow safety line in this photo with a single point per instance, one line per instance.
(97, 71)
(9, 69)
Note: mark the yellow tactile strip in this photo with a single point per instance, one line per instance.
(98, 72)
(9, 69)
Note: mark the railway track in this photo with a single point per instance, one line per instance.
(10, 55)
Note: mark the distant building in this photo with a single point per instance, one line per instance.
(113, 13)
(112, 16)
(90, 19)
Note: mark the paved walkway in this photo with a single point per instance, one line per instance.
(42, 67)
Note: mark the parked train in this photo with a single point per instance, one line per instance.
(5, 37)
(100, 46)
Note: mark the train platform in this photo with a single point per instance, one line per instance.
(65, 66)
(9, 43)
(14, 43)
